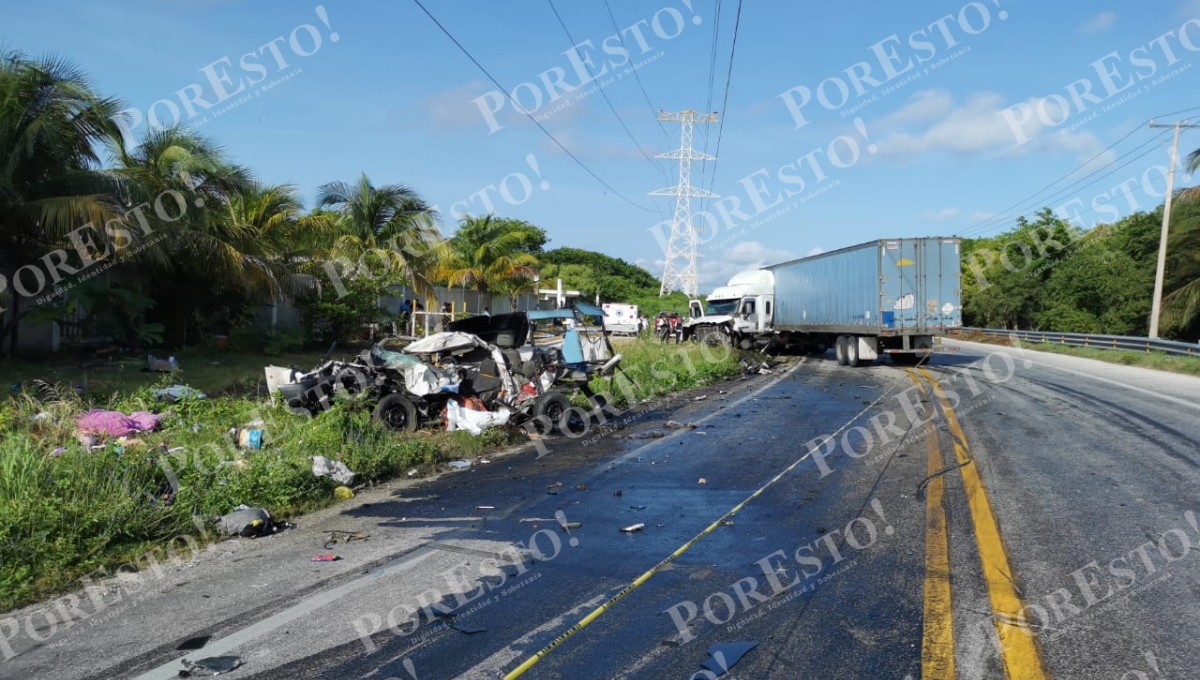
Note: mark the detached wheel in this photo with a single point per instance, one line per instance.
(397, 413)
(554, 407)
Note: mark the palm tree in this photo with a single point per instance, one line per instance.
(390, 223)
(1181, 307)
(492, 255)
(51, 123)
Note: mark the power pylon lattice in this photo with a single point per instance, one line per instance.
(683, 246)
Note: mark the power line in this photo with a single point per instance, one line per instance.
(725, 103)
(554, 139)
(1005, 213)
(605, 95)
(612, 20)
(1083, 182)
(712, 77)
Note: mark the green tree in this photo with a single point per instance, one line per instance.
(52, 122)
(491, 254)
(390, 223)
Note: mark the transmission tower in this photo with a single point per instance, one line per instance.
(684, 243)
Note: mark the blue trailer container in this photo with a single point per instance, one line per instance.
(887, 296)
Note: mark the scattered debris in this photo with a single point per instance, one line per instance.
(339, 536)
(484, 461)
(673, 425)
(459, 464)
(724, 656)
(155, 365)
(633, 527)
(459, 417)
(581, 487)
(654, 434)
(334, 469)
(465, 628)
(246, 521)
(485, 507)
(194, 643)
(44, 415)
(213, 665)
(325, 558)
(727, 523)
(567, 526)
(618, 492)
(703, 433)
(343, 493)
(247, 439)
(412, 472)
(556, 485)
(702, 397)
(116, 424)
(702, 481)
(176, 393)
(637, 507)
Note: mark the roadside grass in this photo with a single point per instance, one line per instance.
(1159, 361)
(67, 511)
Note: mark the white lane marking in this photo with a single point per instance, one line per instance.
(1151, 393)
(229, 643)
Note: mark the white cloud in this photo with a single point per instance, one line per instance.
(931, 121)
(717, 268)
(981, 215)
(455, 109)
(1099, 23)
(940, 215)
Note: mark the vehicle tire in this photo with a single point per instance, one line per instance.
(839, 350)
(397, 412)
(852, 351)
(553, 407)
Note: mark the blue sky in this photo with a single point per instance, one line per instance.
(393, 97)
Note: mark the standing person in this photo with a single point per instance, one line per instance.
(405, 312)
(487, 312)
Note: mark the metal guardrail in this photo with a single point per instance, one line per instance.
(1098, 341)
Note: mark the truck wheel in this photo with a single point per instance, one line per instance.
(398, 413)
(553, 406)
(839, 350)
(852, 351)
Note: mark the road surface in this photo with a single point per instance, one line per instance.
(995, 514)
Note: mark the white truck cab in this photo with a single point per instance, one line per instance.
(741, 310)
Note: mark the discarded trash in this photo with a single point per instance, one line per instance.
(724, 656)
(727, 523)
(412, 472)
(484, 461)
(115, 423)
(617, 492)
(637, 507)
(247, 439)
(673, 425)
(334, 469)
(654, 434)
(459, 464)
(465, 628)
(555, 485)
(703, 433)
(43, 416)
(702, 397)
(214, 665)
(325, 558)
(339, 536)
(57, 452)
(177, 392)
(194, 643)
(155, 365)
(581, 487)
(245, 521)
(485, 507)
(459, 417)
(702, 481)
(633, 527)
(343, 492)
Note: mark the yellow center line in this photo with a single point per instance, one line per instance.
(1018, 647)
(937, 643)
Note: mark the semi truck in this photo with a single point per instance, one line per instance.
(889, 296)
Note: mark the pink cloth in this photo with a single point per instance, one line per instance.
(117, 424)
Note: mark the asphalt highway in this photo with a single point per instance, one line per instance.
(994, 514)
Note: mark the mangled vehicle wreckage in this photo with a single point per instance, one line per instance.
(480, 363)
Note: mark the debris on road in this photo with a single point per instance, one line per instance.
(213, 665)
(325, 558)
(334, 469)
(702, 481)
(556, 485)
(485, 507)
(618, 492)
(633, 527)
(654, 434)
(723, 656)
(637, 507)
(674, 425)
(340, 536)
(459, 464)
(343, 493)
(727, 523)
(459, 417)
(702, 397)
(246, 521)
(581, 487)
(465, 628)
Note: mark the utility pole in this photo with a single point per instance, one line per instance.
(684, 244)
(1160, 272)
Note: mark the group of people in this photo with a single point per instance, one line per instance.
(668, 325)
